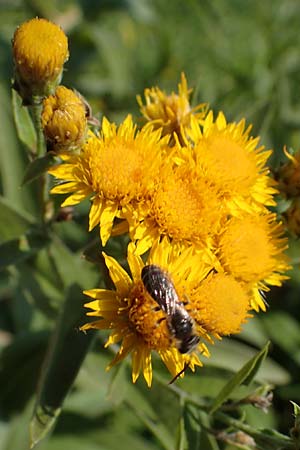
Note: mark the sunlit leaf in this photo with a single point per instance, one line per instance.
(23, 122)
(244, 376)
(66, 352)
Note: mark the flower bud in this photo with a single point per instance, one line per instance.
(64, 120)
(40, 49)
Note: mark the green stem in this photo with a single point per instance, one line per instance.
(36, 112)
(273, 441)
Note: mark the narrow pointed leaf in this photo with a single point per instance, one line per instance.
(295, 430)
(244, 376)
(17, 250)
(196, 423)
(38, 167)
(13, 221)
(67, 350)
(149, 416)
(24, 125)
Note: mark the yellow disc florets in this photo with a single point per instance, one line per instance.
(147, 321)
(251, 248)
(120, 165)
(185, 207)
(220, 304)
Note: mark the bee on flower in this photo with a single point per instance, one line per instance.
(148, 314)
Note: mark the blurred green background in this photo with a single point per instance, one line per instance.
(242, 57)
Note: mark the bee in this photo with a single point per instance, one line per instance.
(180, 324)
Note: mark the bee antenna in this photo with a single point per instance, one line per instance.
(186, 365)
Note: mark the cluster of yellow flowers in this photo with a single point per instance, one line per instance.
(192, 191)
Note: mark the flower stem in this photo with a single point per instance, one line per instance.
(36, 111)
(262, 437)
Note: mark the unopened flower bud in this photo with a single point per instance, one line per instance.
(40, 49)
(289, 176)
(64, 120)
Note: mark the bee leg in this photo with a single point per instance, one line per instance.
(186, 365)
(159, 321)
(156, 308)
(185, 300)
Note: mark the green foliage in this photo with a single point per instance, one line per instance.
(243, 58)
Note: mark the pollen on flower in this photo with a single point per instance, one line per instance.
(136, 320)
(64, 119)
(149, 322)
(40, 50)
(220, 304)
(251, 248)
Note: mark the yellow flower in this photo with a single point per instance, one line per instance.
(221, 304)
(64, 120)
(40, 49)
(136, 320)
(229, 158)
(251, 248)
(119, 168)
(171, 112)
(183, 206)
(216, 303)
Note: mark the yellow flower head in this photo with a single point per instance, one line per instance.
(171, 112)
(40, 49)
(228, 157)
(251, 249)
(119, 168)
(64, 120)
(183, 206)
(216, 304)
(221, 304)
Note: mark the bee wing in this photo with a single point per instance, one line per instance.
(160, 287)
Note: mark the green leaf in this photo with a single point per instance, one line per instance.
(150, 415)
(18, 250)
(197, 436)
(119, 385)
(38, 167)
(24, 125)
(295, 430)
(244, 376)
(192, 426)
(283, 330)
(67, 350)
(71, 267)
(13, 222)
(230, 354)
(19, 363)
